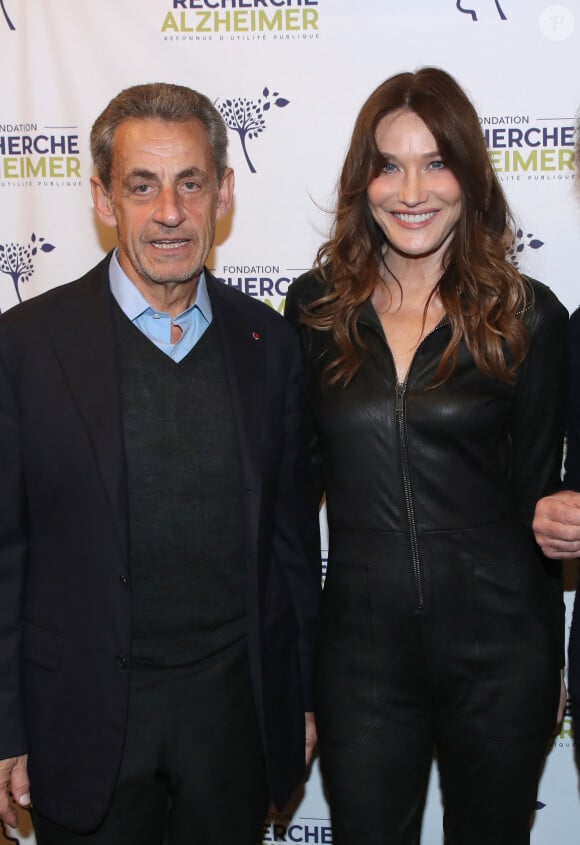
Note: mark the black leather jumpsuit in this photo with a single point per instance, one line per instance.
(442, 622)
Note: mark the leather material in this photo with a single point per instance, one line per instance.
(442, 623)
(430, 494)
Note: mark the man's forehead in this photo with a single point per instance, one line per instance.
(160, 137)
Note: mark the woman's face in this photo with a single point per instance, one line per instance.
(415, 199)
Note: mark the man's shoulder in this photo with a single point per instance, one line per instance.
(57, 297)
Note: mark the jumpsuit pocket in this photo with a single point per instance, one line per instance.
(346, 697)
(518, 679)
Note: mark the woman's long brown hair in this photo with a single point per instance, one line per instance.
(482, 294)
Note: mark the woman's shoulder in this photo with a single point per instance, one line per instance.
(543, 305)
(306, 289)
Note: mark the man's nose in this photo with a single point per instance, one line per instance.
(169, 207)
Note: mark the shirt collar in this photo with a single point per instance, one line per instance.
(132, 302)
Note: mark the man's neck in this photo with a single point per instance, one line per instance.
(171, 298)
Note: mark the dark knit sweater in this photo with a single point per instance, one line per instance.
(187, 561)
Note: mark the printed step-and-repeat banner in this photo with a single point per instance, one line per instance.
(289, 77)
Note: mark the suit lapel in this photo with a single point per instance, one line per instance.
(241, 344)
(82, 333)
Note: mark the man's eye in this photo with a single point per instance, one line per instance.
(191, 186)
(142, 189)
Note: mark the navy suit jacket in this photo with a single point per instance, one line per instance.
(64, 573)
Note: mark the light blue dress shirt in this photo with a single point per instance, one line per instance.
(156, 325)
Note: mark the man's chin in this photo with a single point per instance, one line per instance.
(180, 280)
(175, 278)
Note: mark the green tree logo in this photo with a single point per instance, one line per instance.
(246, 117)
(17, 260)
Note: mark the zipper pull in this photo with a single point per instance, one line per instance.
(399, 398)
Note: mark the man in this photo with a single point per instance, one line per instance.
(158, 567)
(557, 518)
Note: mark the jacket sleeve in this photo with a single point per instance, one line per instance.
(297, 535)
(13, 559)
(537, 429)
(572, 479)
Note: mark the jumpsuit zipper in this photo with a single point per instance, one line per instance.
(416, 567)
(401, 425)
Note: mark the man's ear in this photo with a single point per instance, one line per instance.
(226, 192)
(102, 202)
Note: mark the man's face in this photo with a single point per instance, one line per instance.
(163, 199)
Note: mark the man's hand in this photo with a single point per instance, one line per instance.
(311, 737)
(557, 524)
(13, 781)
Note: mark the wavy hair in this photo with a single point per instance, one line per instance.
(483, 295)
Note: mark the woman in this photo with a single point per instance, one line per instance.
(435, 391)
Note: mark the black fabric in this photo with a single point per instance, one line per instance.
(441, 622)
(64, 603)
(572, 482)
(186, 541)
(193, 771)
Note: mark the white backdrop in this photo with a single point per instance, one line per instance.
(303, 67)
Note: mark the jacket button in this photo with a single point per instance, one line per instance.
(121, 662)
(124, 580)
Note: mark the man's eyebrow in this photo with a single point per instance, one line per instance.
(139, 173)
(192, 171)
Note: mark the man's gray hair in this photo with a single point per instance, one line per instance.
(158, 101)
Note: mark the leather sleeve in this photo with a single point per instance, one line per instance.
(538, 427)
(303, 291)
